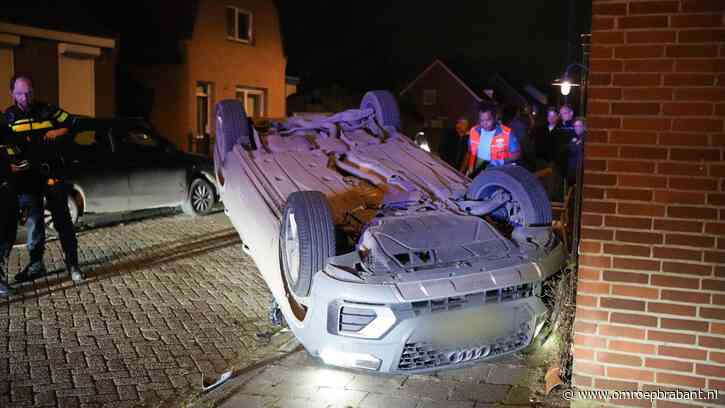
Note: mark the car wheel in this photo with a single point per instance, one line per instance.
(201, 198)
(307, 239)
(232, 127)
(385, 107)
(527, 203)
(72, 209)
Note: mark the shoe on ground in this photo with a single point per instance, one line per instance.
(31, 271)
(76, 274)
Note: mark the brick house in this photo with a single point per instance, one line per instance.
(651, 292)
(234, 50)
(445, 91)
(74, 70)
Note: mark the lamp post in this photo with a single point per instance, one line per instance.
(566, 84)
(565, 88)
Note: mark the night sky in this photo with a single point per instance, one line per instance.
(375, 44)
(357, 45)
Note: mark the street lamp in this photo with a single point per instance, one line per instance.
(565, 88)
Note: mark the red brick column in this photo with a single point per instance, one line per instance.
(651, 295)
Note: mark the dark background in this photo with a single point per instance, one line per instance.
(385, 44)
(354, 45)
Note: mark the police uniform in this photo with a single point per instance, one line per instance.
(44, 179)
(8, 206)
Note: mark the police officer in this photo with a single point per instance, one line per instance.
(8, 206)
(34, 127)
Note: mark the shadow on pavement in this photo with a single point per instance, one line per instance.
(126, 263)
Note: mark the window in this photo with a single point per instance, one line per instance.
(239, 25)
(252, 100)
(429, 97)
(203, 108)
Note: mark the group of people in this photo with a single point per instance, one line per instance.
(551, 150)
(31, 177)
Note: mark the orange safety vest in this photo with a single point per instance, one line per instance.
(499, 145)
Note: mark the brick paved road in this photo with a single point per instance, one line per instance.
(295, 380)
(167, 300)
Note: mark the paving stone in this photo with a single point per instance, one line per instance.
(518, 396)
(427, 388)
(377, 383)
(447, 404)
(501, 374)
(475, 373)
(480, 392)
(334, 396)
(379, 400)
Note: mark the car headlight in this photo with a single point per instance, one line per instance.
(364, 321)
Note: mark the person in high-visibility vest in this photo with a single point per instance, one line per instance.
(34, 127)
(490, 143)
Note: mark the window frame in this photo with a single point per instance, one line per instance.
(209, 95)
(246, 90)
(430, 97)
(250, 29)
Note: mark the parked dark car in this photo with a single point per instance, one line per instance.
(115, 165)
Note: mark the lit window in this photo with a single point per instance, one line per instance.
(203, 109)
(429, 97)
(239, 25)
(253, 101)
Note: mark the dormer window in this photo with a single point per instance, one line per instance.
(239, 25)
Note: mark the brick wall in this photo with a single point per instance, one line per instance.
(651, 294)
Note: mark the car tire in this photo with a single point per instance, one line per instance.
(384, 105)
(534, 208)
(201, 198)
(307, 239)
(232, 127)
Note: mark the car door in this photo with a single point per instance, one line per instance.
(95, 169)
(156, 179)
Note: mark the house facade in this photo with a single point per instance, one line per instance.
(234, 51)
(74, 71)
(438, 97)
(447, 90)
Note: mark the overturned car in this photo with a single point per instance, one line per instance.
(379, 255)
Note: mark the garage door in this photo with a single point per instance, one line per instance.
(77, 80)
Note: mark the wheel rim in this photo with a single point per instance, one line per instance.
(510, 211)
(201, 198)
(292, 248)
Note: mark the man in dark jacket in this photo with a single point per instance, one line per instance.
(35, 126)
(521, 125)
(454, 144)
(8, 206)
(548, 139)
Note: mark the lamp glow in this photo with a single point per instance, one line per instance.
(565, 88)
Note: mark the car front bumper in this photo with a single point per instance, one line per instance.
(431, 334)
